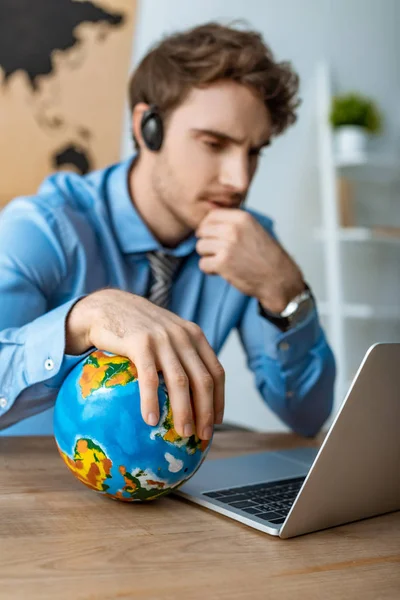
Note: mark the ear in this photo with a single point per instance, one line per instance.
(137, 115)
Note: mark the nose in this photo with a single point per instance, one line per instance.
(235, 173)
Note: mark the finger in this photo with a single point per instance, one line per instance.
(207, 246)
(213, 367)
(201, 383)
(210, 230)
(148, 385)
(209, 264)
(221, 215)
(177, 383)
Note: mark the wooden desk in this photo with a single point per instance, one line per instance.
(60, 540)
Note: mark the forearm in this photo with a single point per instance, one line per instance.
(294, 371)
(34, 266)
(33, 364)
(301, 393)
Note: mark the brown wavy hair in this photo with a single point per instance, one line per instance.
(210, 52)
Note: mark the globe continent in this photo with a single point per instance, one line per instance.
(103, 439)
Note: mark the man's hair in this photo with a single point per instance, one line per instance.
(208, 53)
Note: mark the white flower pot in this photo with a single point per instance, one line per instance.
(351, 143)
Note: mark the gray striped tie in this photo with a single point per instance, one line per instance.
(163, 268)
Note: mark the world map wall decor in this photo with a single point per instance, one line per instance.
(64, 68)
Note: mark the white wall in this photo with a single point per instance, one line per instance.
(360, 39)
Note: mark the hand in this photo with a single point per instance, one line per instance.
(154, 339)
(234, 245)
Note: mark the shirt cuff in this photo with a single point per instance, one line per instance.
(45, 346)
(291, 346)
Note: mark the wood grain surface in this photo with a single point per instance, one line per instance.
(59, 540)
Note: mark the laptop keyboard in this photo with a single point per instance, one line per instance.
(268, 501)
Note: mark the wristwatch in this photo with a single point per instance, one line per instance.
(295, 312)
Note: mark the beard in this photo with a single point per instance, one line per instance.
(171, 196)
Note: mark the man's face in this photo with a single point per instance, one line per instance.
(210, 151)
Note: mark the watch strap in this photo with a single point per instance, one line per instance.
(283, 323)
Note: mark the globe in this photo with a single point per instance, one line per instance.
(104, 441)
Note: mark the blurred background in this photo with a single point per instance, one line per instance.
(331, 182)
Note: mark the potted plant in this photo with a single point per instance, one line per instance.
(354, 117)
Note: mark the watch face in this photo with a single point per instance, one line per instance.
(290, 309)
(303, 310)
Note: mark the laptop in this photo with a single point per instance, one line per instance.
(355, 473)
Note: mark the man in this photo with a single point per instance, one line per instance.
(157, 258)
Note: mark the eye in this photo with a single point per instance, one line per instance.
(213, 145)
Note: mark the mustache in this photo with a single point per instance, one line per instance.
(229, 200)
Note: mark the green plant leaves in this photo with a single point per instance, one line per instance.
(355, 109)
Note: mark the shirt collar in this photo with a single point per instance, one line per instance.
(133, 234)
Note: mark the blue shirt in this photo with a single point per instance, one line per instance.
(79, 234)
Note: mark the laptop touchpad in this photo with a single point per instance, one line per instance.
(252, 468)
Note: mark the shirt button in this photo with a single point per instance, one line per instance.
(3, 402)
(49, 365)
(289, 394)
(284, 346)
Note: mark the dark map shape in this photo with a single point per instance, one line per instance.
(73, 156)
(30, 30)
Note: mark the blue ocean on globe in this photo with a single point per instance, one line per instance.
(103, 439)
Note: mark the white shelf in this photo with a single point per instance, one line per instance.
(360, 234)
(373, 167)
(380, 172)
(363, 311)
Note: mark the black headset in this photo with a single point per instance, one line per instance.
(152, 129)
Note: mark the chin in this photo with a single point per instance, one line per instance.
(191, 221)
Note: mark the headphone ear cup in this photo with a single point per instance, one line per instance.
(152, 129)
